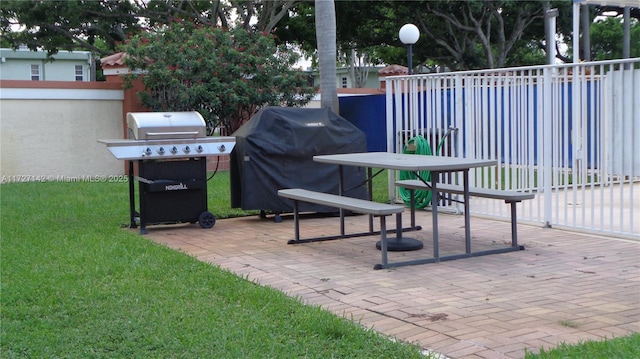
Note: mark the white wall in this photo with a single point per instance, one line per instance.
(16, 70)
(65, 70)
(54, 131)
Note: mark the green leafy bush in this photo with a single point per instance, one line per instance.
(226, 75)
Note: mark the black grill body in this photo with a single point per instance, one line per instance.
(173, 191)
(170, 150)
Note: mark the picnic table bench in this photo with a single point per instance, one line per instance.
(510, 197)
(376, 209)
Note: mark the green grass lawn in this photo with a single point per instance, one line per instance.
(75, 284)
(618, 348)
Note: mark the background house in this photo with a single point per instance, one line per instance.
(344, 79)
(24, 64)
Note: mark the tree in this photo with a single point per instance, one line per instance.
(76, 24)
(68, 25)
(460, 35)
(266, 13)
(226, 75)
(606, 39)
(326, 38)
(479, 34)
(358, 24)
(358, 67)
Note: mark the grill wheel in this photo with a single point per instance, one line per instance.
(207, 219)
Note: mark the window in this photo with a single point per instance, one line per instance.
(35, 72)
(79, 73)
(344, 82)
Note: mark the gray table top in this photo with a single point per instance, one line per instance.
(404, 162)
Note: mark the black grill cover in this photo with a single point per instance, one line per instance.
(275, 150)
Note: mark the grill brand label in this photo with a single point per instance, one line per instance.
(176, 187)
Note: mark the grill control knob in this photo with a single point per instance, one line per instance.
(161, 151)
(199, 149)
(174, 150)
(187, 149)
(221, 148)
(147, 152)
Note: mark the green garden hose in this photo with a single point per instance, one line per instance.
(417, 145)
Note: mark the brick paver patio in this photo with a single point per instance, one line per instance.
(565, 287)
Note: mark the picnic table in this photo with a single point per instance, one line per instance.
(415, 164)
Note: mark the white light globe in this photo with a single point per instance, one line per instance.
(409, 34)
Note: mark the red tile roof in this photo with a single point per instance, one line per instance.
(115, 60)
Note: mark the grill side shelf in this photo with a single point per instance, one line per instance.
(170, 148)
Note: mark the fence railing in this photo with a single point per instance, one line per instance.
(566, 132)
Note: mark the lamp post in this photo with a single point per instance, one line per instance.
(409, 35)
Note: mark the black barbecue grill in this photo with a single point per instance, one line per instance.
(170, 149)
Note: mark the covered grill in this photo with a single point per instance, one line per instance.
(275, 150)
(170, 149)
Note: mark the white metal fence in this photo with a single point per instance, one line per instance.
(570, 133)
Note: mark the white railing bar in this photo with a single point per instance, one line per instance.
(522, 68)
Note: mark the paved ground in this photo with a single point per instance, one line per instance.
(565, 287)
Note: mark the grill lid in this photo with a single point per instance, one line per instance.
(167, 135)
(165, 125)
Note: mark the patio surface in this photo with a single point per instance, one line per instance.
(565, 287)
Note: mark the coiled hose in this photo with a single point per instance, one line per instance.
(417, 145)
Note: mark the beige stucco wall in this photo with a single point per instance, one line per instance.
(58, 137)
(50, 129)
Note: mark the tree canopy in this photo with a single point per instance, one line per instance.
(606, 38)
(99, 25)
(67, 25)
(226, 75)
(458, 35)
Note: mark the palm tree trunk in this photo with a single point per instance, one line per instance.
(326, 38)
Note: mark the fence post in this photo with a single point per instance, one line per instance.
(547, 123)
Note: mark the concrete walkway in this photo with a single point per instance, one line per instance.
(565, 287)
